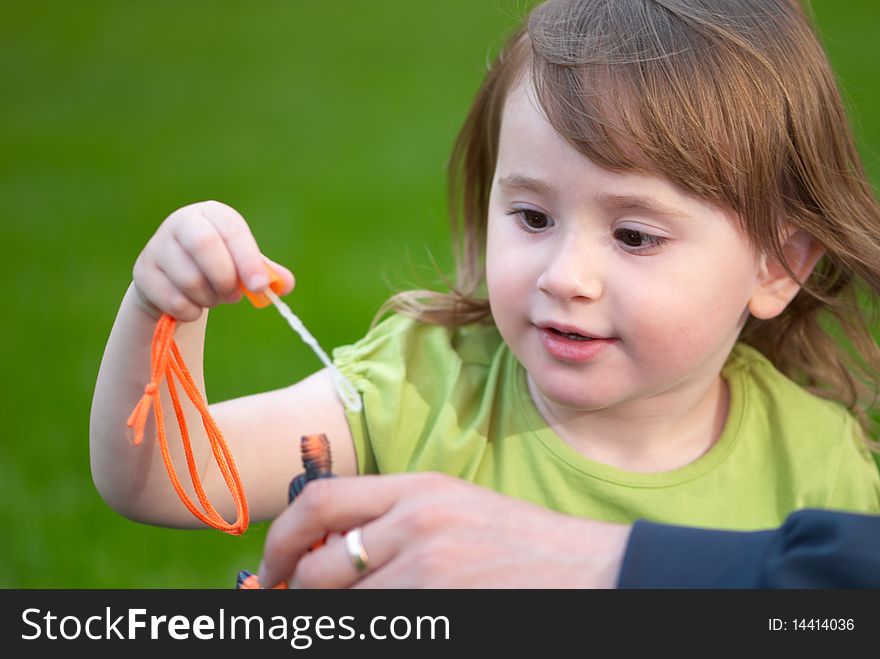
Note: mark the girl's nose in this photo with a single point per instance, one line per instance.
(571, 274)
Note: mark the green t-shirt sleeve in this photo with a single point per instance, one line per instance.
(374, 366)
(428, 396)
(857, 483)
(403, 370)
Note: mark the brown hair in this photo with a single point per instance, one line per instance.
(732, 100)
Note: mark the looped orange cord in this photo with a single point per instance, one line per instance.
(167, 362)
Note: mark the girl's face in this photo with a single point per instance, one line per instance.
(658, 278)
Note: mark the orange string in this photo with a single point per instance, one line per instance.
(167, 362)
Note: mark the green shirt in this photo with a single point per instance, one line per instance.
(455, 400)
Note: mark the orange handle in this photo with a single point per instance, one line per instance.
(260, 300)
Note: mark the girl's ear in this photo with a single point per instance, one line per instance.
(775, 287)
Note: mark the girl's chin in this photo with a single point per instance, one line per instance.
(581, 405)
(571, 400)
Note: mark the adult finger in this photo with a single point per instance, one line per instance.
(329, 505)
(332, 566)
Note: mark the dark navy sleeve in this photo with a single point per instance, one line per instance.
(812, 549)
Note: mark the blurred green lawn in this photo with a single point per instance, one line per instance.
(327, 124)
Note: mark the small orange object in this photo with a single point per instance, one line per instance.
(318, 463)
(261, 300)
(248, 581)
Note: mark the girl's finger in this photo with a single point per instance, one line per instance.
(205, 247)
(181, 268)
(284, 273)
(159, 291)
(240, 242)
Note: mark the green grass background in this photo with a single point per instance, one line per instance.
(327, 124)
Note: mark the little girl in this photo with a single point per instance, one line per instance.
(662, 207)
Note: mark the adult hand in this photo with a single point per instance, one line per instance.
(428, 530)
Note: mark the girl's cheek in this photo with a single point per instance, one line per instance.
(503, 289)
(660, 318)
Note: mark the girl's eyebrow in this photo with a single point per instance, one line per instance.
(526, 183)
(641, 203)
(617, 201)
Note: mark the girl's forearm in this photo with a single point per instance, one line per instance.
(133, 479)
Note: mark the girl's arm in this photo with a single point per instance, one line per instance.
(179, 274)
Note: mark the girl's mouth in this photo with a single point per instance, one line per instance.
(573, 346)
(571, 335)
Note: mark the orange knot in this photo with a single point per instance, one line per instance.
(151, 388)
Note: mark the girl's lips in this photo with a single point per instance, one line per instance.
(566, 329)
(572, 350)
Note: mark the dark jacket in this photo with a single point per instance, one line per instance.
(812, 549)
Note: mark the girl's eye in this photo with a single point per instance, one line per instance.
(530, 220)
(638, 241)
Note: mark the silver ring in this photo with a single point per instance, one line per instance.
(354, 544)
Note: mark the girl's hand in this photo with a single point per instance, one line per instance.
(196, 260)
(434, 531)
